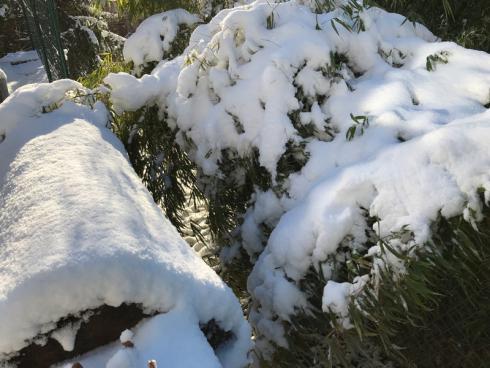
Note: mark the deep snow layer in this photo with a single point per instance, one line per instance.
(407, 121)
(78, 229)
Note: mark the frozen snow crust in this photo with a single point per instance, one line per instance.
(78, 230)
(399, 127)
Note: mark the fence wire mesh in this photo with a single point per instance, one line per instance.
(42, 21)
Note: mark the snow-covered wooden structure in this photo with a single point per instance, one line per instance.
(86, 254)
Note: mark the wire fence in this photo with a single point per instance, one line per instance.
(42, 22)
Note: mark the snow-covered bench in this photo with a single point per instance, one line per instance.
(86, 254)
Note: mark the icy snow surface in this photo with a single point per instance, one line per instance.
(423, 153)
(21, 68)
(78, 230)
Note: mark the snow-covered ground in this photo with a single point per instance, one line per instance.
(21, 68)
(79, 230)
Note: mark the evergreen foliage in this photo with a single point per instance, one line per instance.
(229, 194)
(88, 40)
(136, 10)
(95, 78)
(464, 21)
(163, 166)
(436, 315)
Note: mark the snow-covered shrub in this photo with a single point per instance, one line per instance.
(86, 38)
(436, 313)
(80, 235)
(161, 36)
(319, 129)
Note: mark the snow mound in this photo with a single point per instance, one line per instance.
(154, 36)
(394, 126)
(79, 230)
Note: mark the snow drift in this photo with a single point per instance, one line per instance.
(78, 230)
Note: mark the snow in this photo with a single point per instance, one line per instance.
(126, 336)
(151, 88)
(21, 68)
(419, 135)
(66, 335)
(3, 10)
(407, 184)
(182, 345)
(247, 59)
(77, 225)
(335, 297)
(154, 36)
